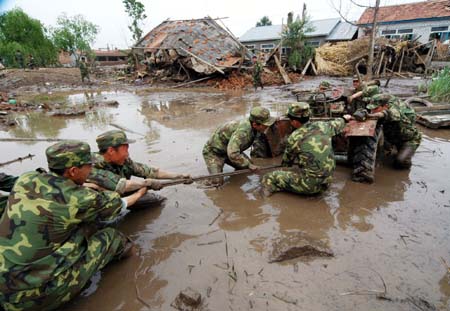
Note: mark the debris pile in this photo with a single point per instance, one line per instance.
(390, 56)
(194, 48)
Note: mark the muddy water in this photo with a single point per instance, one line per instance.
(394, 232)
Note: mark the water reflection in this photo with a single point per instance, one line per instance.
(36, 124)
(240, 211)
(357, 201)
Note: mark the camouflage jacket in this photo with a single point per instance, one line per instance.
(257, 69)
(310, 148)
(398, 124)
(6, 184)
(42, 228)
(128, 169)
(231, 140)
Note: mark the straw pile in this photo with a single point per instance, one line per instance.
(330, 59)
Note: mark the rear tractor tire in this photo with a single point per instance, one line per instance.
(365, 151)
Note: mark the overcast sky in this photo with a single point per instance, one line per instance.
(242, 14)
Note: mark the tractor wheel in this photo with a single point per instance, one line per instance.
(364, 152)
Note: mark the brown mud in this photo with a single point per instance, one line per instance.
(387, 239)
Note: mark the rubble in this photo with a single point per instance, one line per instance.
(190, 48)
(390, 56)
(187, 300)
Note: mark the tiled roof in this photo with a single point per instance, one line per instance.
(410, 11)
(321, 27)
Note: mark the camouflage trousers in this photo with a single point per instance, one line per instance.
(406, 148)
(257, 81)
(101, 248)
(293, 181)
(215, 161)
(85, 75)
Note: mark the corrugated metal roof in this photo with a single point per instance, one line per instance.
(321, 27)
(343, 31)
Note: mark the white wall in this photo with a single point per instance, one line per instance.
(422, 29)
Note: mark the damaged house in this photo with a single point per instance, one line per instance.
(190, 49)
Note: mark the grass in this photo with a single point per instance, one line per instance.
(439, 88)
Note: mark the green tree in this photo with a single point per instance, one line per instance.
(264, 21)
(293, 36)
(20, 32)
(74, 34)
(136, 11)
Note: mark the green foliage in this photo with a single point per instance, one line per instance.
(264, 21)
(20, 32)
(294, 37)
(136, 11)
(439, 88)
(74, 34)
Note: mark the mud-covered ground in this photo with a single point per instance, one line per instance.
(388, 239)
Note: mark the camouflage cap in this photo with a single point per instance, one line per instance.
(299, 110)
(378, 100)
(67, 154)
(112, 138)
(261, 115)
(325, 84)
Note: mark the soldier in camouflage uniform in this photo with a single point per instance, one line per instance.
(398, 126)
(51, 242)
(309, 149)
(256, 74)
(6, 184)
(113, 168)
(84, 71)
(229, 141)
(363, 93)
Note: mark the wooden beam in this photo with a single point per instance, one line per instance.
(306, 66)
(282, 71)
(202, 60)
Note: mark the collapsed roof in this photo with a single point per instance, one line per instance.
(201, 44)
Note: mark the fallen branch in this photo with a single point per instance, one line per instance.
(218, 215)
(19, 159)
(31, 139)
(191, 82)
(285, 299)
(202, 60)
(125, 129)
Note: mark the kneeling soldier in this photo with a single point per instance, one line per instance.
(309, 148)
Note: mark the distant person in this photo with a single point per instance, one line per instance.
(256, 73)
(19, 59)
(54, 233)
(84, 70)
(31, 62)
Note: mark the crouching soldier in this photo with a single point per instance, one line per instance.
(51, 242)
(229, 141)
(113, 157)
(309, 149)
(398, 126)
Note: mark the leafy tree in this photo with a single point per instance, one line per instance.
(18, 31)
(264, 21)
(74, 34)
(293, 36)
(136, 11)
